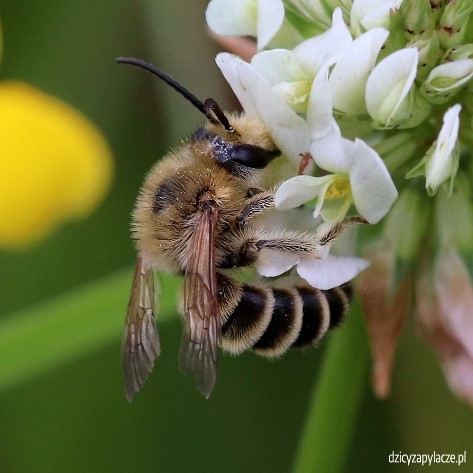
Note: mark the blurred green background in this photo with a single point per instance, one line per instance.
(67, 412)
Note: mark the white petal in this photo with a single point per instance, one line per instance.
(231, 67)
(331, 271)
(326, 47)
(270, 19)
(368, 14)
(327, 145)
(282, 69)
(348, 78)
(330, 154)
(239, 19)
(274, 263)
(389, 83)
(371, 185)
(455, 74)
(321, 196)
(440, 165)
(295, 94)
(288, 130)
(319, 111)
(299, 189)
(279, 65)
(335, 210)
(297, 220)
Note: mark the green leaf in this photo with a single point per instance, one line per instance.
(336, 399)
(51, 334)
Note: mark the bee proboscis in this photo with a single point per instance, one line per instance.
(195, 216)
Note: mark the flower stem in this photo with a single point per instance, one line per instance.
(48, 335)
(336, 399)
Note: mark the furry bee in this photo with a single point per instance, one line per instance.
(195, 216)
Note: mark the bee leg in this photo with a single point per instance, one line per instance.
(310, 244)
(255, 205)
(252, 191)
(302, 246)
(247, 253)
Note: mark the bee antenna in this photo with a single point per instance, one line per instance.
(209, 108)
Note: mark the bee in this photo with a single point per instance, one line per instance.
(195, 216)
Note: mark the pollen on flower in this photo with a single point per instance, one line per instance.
(339, 188)
(55, 164)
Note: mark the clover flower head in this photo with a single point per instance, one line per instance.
(379, 94)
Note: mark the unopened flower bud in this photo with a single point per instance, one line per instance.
(442, 163)
(457, 53)
(445, 80)
(453, 23)
(388, 87)
(416, 17)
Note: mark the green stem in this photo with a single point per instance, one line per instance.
(336, 399)
(51, 334)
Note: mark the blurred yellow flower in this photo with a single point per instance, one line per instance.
(55, 164)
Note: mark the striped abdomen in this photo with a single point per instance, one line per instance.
(270, 320)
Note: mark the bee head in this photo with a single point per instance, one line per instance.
(240, 144)
(247, 148)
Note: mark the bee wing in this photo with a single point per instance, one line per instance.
(140, 340)
(202, 327)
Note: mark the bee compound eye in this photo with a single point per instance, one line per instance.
(252, 156)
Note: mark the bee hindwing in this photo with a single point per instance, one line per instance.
(140, 340)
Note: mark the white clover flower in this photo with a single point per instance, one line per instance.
(379, 73)
(443, 162)
(365, 182)
(323, 271)
(446, 80)
(324, 48)
(286, 75)
(347, 160)
(291, 73)
(289, 131)
(388, 86)
(348, 78)
(360, 175)
(327, 145)
(368, 14)
(259, 18)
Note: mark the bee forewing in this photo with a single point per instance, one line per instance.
(140, 340)
(202, 327)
